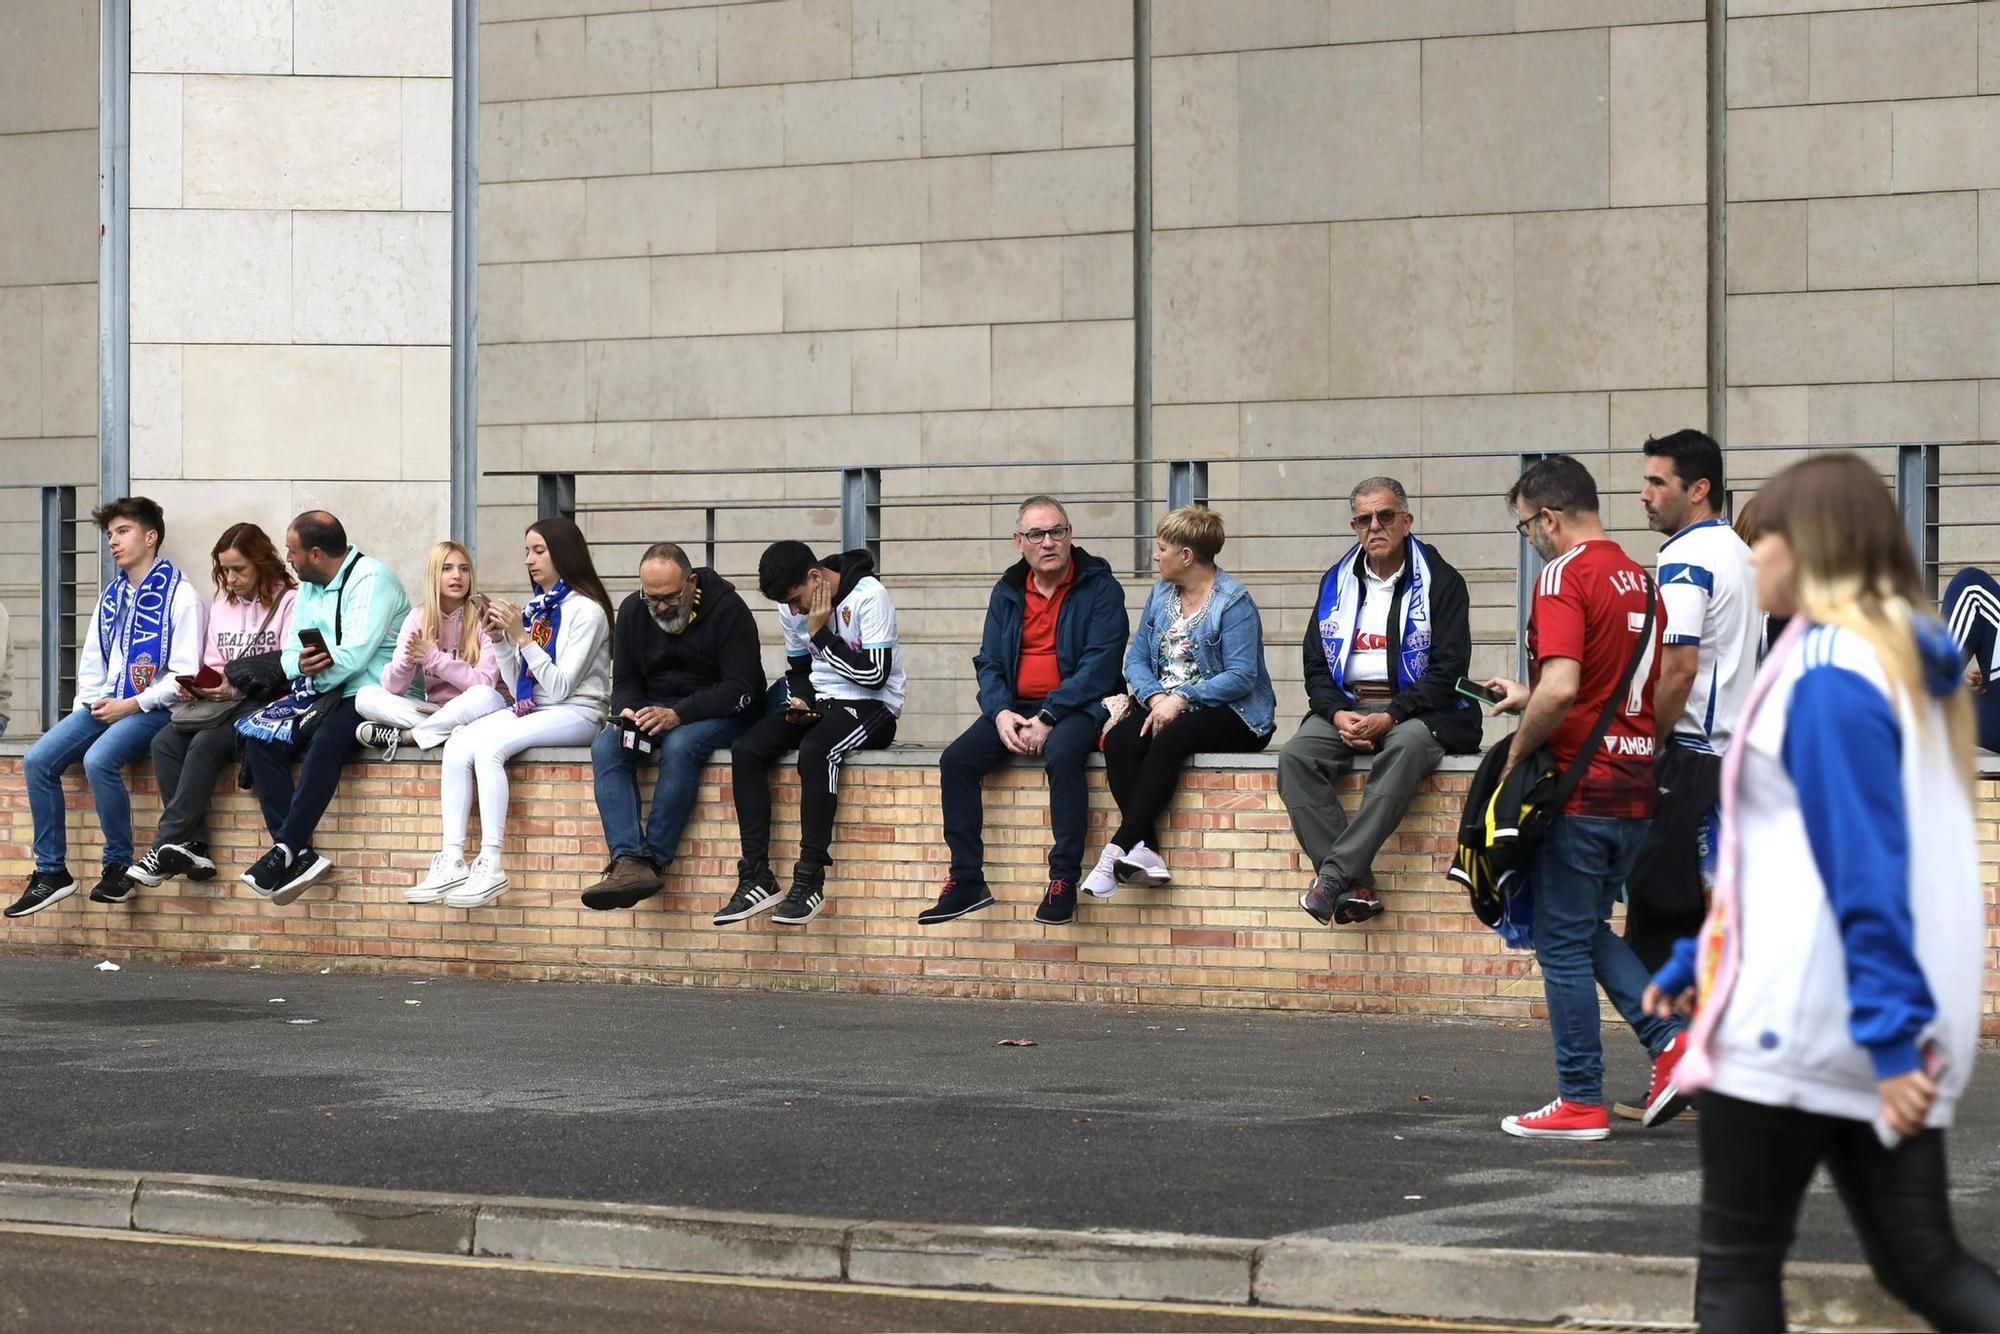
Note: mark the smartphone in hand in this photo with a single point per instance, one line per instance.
(1474, 690)
(311, 638)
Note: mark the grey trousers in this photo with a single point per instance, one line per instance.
(1307, 769)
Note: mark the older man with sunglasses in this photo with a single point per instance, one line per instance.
(1390, 635)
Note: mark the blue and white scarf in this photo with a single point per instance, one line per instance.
(542, 619)
(135, 626)
(1340, 604)
(279, 720)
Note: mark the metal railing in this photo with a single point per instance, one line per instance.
(59, 556)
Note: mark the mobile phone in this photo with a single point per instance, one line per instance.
(800, 717)
(1474, 690)
(481, 602)
(313, 639)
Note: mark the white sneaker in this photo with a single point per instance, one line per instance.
(485, 881)
(1144, 866)
(1102, 882)
(446, 874)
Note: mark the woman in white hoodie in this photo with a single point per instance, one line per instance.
(1838, 973)
(555, 655)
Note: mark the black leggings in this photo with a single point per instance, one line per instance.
(1756, 1162)
(1144, 771)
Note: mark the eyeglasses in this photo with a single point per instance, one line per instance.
(665, 601)
(1521, 526)
(1361, 523)
(1034, 537)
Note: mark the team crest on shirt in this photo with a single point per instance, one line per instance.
(847, 616)
(541, 632)
(141, 671)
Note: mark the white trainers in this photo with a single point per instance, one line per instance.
(1144, 866)
(446, 874)
(485, 881)
(1102, 882)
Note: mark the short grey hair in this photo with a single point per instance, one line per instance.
(670, 553)
(1033, 502)
(1389, 484)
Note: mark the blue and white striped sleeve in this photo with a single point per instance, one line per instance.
(1686, 589)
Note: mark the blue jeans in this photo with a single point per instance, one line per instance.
(681, 753)
(105, 749)
(1578, 873)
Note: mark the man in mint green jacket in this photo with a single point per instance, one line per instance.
(343, 634)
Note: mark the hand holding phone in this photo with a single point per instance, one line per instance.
(1474, 690)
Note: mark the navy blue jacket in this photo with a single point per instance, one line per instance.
(1090, 640)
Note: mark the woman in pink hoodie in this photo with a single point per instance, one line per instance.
(427, 690)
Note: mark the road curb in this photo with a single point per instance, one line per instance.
(1441, 1282)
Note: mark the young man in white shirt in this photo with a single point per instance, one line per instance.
(147, 630)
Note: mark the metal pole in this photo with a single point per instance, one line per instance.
(1527, 568)
(708, 539)
(58, 581)
(1917, 498)
(114, 258)
(1187, 483)
(1718, 219)
(555, 493)
(465, 274)
(861, 511)
(1142, 285)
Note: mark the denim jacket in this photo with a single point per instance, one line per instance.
(1228, 645)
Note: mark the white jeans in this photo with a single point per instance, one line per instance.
(428, 724)
(485, 745)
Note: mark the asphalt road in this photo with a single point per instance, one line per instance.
(87, 1283)
(1239, 1124)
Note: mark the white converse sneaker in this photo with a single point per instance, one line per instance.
(1102, 882)
(1143, 866)
(446, 874)
(485, 881)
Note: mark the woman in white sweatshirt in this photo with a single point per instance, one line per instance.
(555, 655)
(1838, 972)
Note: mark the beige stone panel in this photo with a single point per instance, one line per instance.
(1807, 152)
(784, 208)
(790, 41)
(1485, 97)
(1199, 430)
(1861, 414)
(499, 303)
(1398, 20)
(427, 413)
(1948, 145)
(266, 411)
(591, 298)
(156, 140)
(43, 48)
(1242, 314)
(1330, 132)
(1097, 277)
(48, 208)
(530, 220)
(1811, 338)
(1097, 104)
(916, 36)
(1766, 247)
(1989, 409)
(371, 278)
(530, 382)
(292, 143)
(742, 442)
(1765, 415)
(649, 215)
(992, 111)
(1738, 8)
(1766, 64)
(1637, 414)
(1893, 240)
(211, 276)
(398, 524)
(20, 362)
(853, 120)
(427, 141)
(198, 510)
(1989, 46)
(411, 38)
(643, 53)
(156, 410)
(861, 287)
(934, 199)
(1195, 27)
(718, 294)
(786, 375)
(1072, 365)
(1611, 300)
(1989, 236)
(202, 37)
(520, 61)
(1659, 115)
(719, 128)
(1035, 32)
(1380, 429)
(586, 136)
(821, 442)
(515, 11)
(993, 282)
(1196, 141)
(501, 127)
(1534, 14)
(1055, 194)
(69, 359)
(1422, 306)
(1514, 424)
(1872, 55)
(923, 370)
(1947, 333)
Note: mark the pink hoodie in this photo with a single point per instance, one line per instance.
(233, 628)
(446, 675)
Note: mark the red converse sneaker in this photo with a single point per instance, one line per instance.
(1561, 1119)
(1664, 1099)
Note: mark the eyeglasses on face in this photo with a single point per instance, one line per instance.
(1034, 537)
(1521, 526)
(1361, 523)
(665, 600)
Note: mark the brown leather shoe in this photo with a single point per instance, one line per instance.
(627, 881)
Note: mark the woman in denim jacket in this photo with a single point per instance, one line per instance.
(1196, 670)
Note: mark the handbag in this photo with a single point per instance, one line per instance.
(198, 715)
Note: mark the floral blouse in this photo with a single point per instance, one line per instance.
(1178, 665)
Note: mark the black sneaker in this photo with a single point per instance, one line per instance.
(44, 888)
(1058, 904)
(198, 864)
(307, 866)
(756, 891)
(380, 736)
(149, 871)
(114, 886)
(805, 902)
(1318, 900)
(268, 871)
(959, 898)
(1358, 904)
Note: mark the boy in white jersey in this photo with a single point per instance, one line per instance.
(845, 684)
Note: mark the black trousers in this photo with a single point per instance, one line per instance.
(1756, 1162)
(292, 811)
(1145, 771)
(186, 765)
(1664, 895)
(847, 726)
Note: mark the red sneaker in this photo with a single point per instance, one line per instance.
(1664, 1099)
(1561, 1119)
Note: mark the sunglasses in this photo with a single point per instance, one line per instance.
(1037, 536)
(1361, 523)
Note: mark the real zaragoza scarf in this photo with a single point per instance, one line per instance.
(542, 619)
(1340, 603)
(136, 625)
(279, 720)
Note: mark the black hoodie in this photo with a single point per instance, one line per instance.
(712, 669)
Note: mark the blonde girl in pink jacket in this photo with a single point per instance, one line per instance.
(434, 683)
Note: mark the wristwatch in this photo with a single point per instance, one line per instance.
(1045, 718)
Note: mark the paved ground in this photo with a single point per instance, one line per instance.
(1240, 1124)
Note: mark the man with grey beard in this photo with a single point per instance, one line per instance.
(687, 677)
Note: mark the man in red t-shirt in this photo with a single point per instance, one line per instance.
(1586, 625)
